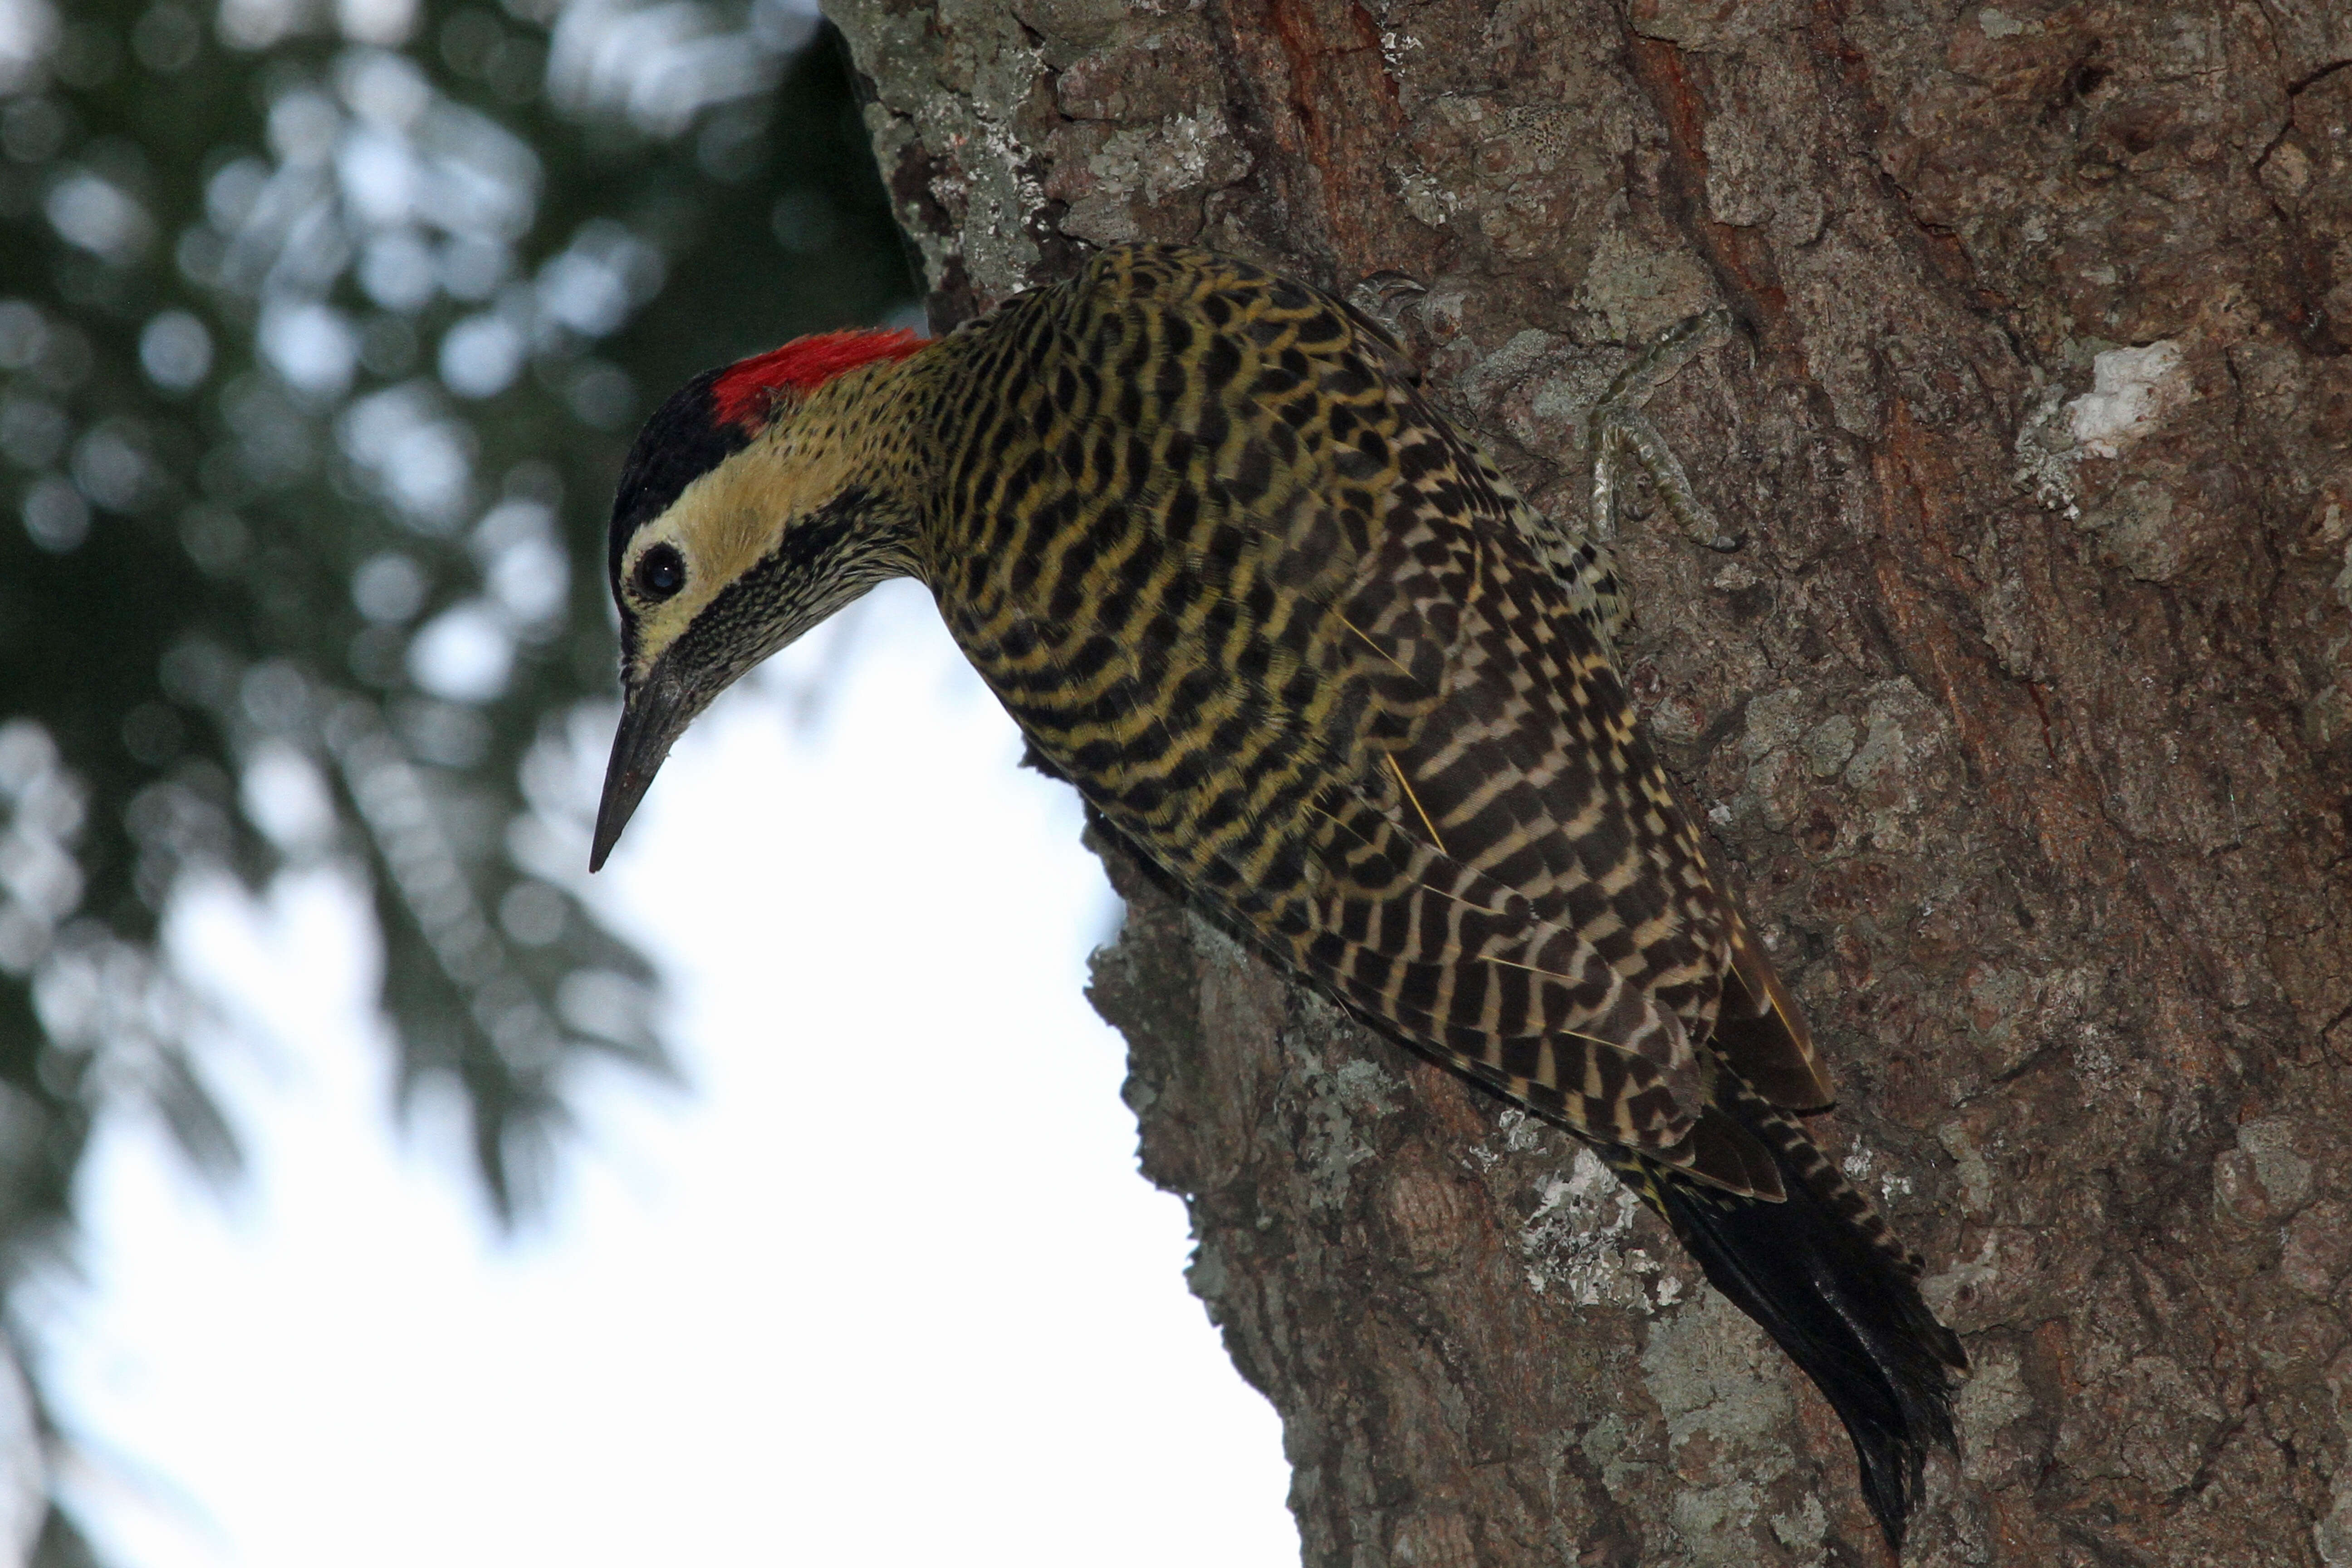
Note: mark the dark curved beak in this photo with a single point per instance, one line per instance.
(653, 716)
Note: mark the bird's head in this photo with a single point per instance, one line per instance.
(751, 507)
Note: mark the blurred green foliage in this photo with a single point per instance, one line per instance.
(323, 326)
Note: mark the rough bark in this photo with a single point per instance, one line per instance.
(2023, 715)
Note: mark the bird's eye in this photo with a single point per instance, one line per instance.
(661, 571)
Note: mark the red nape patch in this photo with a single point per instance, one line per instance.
(741, 394)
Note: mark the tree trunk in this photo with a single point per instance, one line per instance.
(2022, 715)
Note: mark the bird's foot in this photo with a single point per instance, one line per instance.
(1619, 433)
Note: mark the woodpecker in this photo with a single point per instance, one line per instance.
(1295, 638)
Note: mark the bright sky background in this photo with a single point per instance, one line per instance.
(883, 1286)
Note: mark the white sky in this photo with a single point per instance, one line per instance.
(882, 1288)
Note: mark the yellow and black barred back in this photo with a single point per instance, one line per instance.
(1296, 639)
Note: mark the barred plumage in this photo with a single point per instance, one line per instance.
(1297, 640)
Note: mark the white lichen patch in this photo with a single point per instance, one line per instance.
(1975, 1172)
(1857, 1166)
(2332, 1536)
(2284, 1174)
(1994, 1396)
(1427, 200)
(1207, 1275)
(1723, 1393)
(1174, 156)
(1803, 1528)
(1211, 944)
(1978, 1273)
(1332, 1144)
(1773, 721)
(1712, 1371)
(1901, 765)
(1395, 43)
(2046, 455)
(2132, 392)
(1575, 1242)
(1520, 1134)
(2098, 1070)
(1334, 1092)
(1716, 1523)
(1639, 291)
(1829, 744)
(975, 66)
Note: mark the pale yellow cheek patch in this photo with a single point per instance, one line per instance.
(663, 625)
(733, 517)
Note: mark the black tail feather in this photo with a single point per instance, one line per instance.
(1843, 1309)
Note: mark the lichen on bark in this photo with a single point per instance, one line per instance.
(2023, 716)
